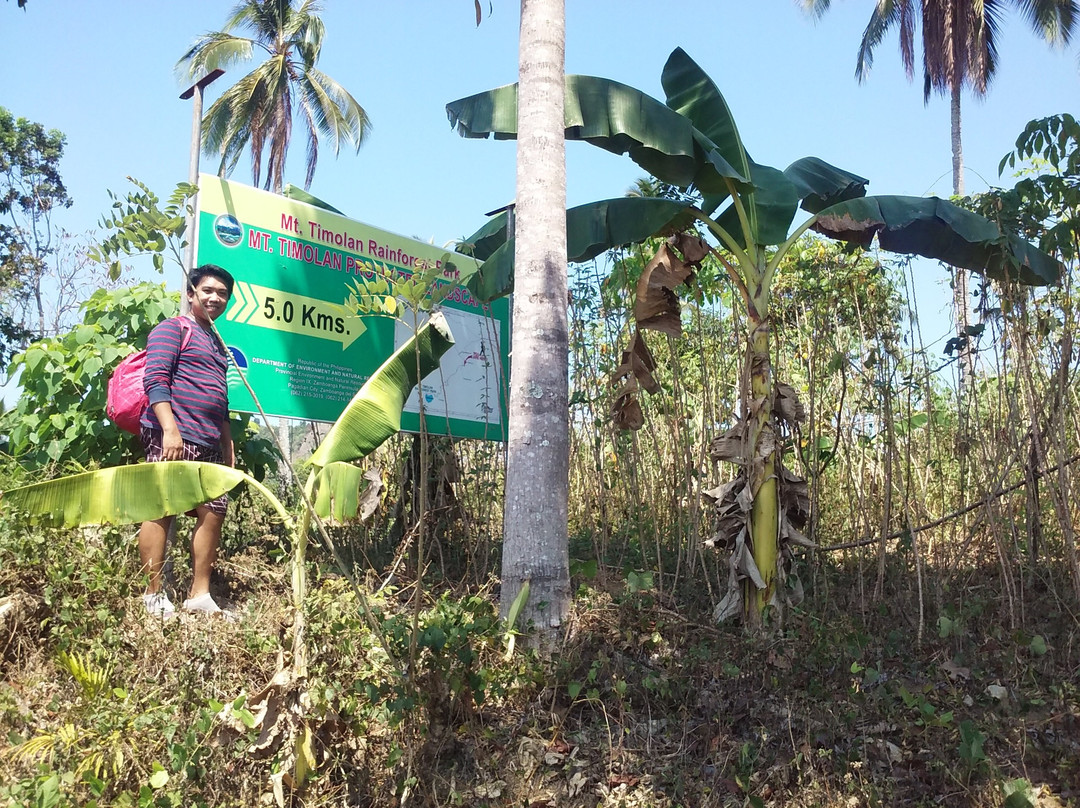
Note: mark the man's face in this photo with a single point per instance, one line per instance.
(209, 298)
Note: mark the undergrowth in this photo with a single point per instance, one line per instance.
(647, 701)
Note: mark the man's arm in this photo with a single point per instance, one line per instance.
(162, 352)
(228, 452)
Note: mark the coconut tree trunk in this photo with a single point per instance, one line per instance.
(761, 456)
(960, 276)
(537, 471)
(957, 146)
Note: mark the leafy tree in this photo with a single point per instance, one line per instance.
(138, 225)
(60, 413)
(31, 188)
(1045, 203)
(258, 110)
(692, 142)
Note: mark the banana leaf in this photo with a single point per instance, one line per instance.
(820, 184)
(128, 494)
(936, 228)
(616, 118)
(771, 206)
(590, 230)
(691, 93)
(481, 244)
(337, 492)
(597, 227)
(495, 277)
(374, 414)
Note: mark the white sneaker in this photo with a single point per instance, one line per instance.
(158, 605)
(205, 604)
(202, 603)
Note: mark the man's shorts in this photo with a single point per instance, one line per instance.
(152, 440)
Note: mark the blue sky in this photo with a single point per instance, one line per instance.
(102, 72)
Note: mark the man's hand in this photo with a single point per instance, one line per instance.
(172, 445)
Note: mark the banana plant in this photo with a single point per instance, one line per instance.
(691, 141)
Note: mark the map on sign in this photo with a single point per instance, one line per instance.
(304, 349)
(467, 385)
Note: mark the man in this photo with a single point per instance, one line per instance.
(188, 419)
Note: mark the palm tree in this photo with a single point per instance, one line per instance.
(258, 110)
(535, 549)
(959, 44)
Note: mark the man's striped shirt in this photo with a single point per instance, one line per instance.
(192, 380)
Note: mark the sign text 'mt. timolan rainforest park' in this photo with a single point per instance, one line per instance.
(304, 350)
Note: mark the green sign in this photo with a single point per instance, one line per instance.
(304, 350)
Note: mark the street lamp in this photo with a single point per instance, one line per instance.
(196, 91)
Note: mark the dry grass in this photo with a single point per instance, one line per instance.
(643, 705)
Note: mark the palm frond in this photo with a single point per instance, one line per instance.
(1053, 20)
(257, 112)
(212, 51)
(886, 14)
(816, 8)
(334, 111)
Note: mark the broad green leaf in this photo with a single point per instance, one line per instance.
(623, 120)
(432, 637)
(616, 118)
(337, 492)
(692, 94)
(127, 494)
(775, 201)
(934, 228)
(159, 779)
(495, 277)
(597, 227)
(820, 184)
(92, 366)
(374, 414)
(591, 229)
(481, 244)
(490, 113)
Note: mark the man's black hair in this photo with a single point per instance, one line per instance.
(213, 271)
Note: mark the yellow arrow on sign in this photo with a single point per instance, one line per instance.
(296, 314)
(244, 303)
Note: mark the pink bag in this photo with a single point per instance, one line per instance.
(126, 398)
